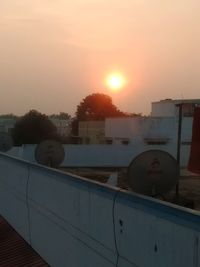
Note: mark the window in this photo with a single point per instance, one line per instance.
(186, 143)
(156, 141)
(125, 142)
(188, 110)
(87, 140)
(109, 141)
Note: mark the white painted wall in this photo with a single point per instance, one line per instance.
(149, 238)
(138, 128)
(186, 135)
(75, 217)
(117, 155)
(25, 152)
(75, 222)
(62, 125)
(164, 109)
(102, 155)
(13, 194)
(7, 125)
(167, 108)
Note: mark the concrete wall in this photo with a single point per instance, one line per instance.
(138, 128)
(186, 133)
(13, 194)
(150, 233)
(102, 155)
(6, 125)
(72, 221)
(164, 109)
(63, 126)
(117, 155)
(92, 132)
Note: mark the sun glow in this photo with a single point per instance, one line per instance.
(115, 81)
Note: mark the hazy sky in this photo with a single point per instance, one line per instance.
(53, 53)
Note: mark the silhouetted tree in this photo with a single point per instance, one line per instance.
(33, 128)
(97, 107)
(61, 115)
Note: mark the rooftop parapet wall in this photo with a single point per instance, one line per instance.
(72, 221)
(102, 155)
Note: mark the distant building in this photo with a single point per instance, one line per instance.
(63, 126)
(141, 130)
(158, 131)
(92, 132)
(7, 125)
(159, 128)
(169, 107)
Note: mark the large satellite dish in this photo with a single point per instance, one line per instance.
(50, 153)
(6, 142)
(153, 173)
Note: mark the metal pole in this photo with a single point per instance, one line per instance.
(179, 143)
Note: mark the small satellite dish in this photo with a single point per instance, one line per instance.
(6, 142)
(153, 173)
(50, 153)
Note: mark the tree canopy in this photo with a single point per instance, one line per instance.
(61, 116)
(33, 128)
(97, 107)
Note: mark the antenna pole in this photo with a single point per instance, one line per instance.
(180, 106)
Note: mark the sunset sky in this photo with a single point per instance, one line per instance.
(53, 53)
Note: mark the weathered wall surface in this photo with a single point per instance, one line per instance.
(101, 155)
(138, 128)
(13, 194)
(72, 221)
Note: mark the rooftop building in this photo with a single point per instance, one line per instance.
(63, 126)
(169, 107)
(92, 132)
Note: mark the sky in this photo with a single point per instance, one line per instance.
(53, 53)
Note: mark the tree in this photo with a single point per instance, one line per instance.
(61, 116)
(33, 128)
(97, 107)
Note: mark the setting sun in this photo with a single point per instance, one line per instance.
(115, 81)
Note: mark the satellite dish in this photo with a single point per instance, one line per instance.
(6, 142)
(153, 173)
(50, 153)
